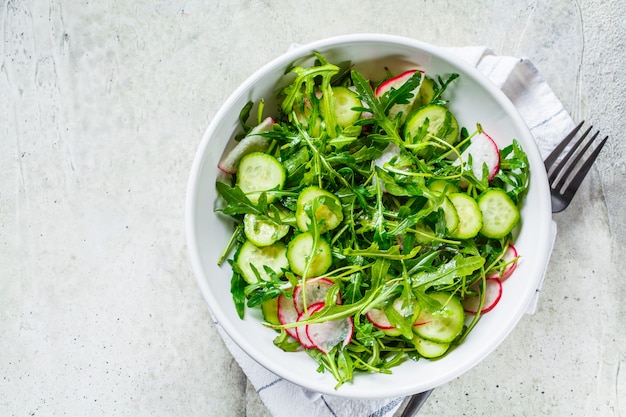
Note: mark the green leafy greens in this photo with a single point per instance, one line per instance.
(393, 242)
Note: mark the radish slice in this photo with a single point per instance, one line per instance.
(287, 314)
(388, 154)
(395, 83)
(301, 330)
(314, 291)
(493, 293)
(379, 317)
(253, 142)
(484, 151)
(509, 257)
(326, 335)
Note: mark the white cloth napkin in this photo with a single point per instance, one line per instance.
(548, 122)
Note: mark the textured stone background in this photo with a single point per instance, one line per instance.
(102, 106)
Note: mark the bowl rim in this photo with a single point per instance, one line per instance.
(282, 61)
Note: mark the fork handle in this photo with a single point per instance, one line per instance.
(415, 403)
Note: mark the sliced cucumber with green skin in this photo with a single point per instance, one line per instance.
(328, 209)
(449, 210)
(263, 231)
(444, 325)
(424, 235)
(470, 216)
(443, 186)
(303, 115)
(427, 91)
(273, 256)
(300, 250)
(344, 100)
(500, 214)
(449, 213)
(258, 172)
(269, 308)
(438, 120)
(429, 349)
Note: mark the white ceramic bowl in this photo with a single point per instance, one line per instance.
(475, 100)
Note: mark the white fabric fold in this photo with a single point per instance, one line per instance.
(548, 121)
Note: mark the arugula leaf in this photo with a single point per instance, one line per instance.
(232, 242)
(375, 107)
(243, 118)
(399, 322)
(374, 252)
(237, 290)
(401, 95)
(514, 173)
(457, 267)
(302, 90)
(238, 202)
(286, 343)
(441, 87)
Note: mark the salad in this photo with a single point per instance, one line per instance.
(370, 227)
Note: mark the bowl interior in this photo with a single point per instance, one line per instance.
(473, 100)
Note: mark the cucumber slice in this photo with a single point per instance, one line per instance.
(443, 186)
(427, 91)
(500, 214)
(258, 172)
(449, 213)
(300, 250)
(424, 235)
(470, 217)
(429, 349)
(263, 231)
(344, 100)
(269, 308)
(438, 122)
(443, 325)
(328, 209)
(251, 257)
(449, 210)
(303, 112)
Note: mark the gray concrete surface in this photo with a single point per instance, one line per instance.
(102, 106)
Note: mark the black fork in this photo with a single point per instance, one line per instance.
(565, 169)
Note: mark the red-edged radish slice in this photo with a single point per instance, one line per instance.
(493, 293)
(395, 83)
(301, 330)
(483, 151)
(379, 317)
(510, 258)
(314, 290)
(287, 314)
(328, 334)
(253, 142)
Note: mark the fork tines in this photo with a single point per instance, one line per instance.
(565, 169)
